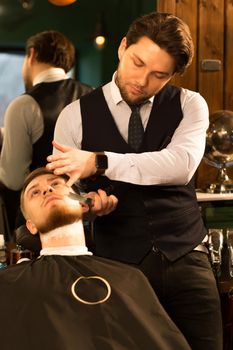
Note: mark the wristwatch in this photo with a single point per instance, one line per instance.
(101, 163)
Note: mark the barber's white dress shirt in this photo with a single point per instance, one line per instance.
(174, 165)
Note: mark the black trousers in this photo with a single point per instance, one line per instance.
(187, 290)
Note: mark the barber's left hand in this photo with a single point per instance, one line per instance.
(78, 164)
(102, 204)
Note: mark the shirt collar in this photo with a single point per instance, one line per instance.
(50, 75)
(115, 92)
(66, 250)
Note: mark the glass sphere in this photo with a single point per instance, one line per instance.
(219, 139)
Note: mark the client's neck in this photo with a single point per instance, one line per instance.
(68, 235)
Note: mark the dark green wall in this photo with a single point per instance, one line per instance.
(77, 21)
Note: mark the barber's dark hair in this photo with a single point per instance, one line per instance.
(54, 48)
(169, 32)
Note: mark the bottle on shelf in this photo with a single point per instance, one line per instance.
(19, 253)
(3, 257)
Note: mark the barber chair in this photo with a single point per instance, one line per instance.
(27, 241)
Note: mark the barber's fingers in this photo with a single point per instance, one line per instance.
(73, 177)
(96, 204)
(65, 168)
(58, 165)
(75, 163)
(60, 147)
(112, 204)
(102, 199)
(56, 157)
(102, 204)
(64, 165)
(61, 159)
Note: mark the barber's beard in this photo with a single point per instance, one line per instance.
(124, 93)
(59, 216)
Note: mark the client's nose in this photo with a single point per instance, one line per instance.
(48, 189)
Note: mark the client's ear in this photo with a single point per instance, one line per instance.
(31, 227)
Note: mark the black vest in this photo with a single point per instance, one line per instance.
(52, 98)
(167, 217)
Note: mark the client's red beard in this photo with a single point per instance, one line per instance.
(60, 216)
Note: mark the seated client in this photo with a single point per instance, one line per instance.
(68, 299)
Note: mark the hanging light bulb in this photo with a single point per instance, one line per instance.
(100, 41)
(100, 36)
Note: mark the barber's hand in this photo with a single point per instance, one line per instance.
(102, 204)
(76, 163)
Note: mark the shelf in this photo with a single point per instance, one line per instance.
(209, 197)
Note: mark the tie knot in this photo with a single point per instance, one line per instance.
(136, 107)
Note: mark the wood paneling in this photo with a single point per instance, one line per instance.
(167, 6)
(211, 25)
(228, 73)
(188, 11)
(210, 46)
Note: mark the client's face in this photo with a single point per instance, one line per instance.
(48, 205)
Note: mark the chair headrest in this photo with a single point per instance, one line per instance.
(28, 241)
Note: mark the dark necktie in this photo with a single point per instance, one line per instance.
(135, 128)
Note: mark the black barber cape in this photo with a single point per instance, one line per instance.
(81, 303)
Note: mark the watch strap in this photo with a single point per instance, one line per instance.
(101, 163)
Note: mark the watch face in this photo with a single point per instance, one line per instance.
(101, 161)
